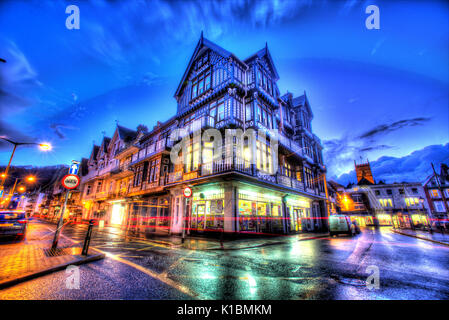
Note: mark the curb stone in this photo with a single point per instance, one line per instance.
(422, 238)
(34, 275)
(261, 245)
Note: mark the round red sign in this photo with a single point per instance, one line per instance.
(187, 192)
(70, 181)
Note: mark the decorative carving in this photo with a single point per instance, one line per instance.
(232, 91)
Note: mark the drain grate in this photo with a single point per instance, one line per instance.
(62, 252)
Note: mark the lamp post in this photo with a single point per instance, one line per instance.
(42, 146)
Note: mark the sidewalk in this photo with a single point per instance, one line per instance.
(28, 259)
(424, 235)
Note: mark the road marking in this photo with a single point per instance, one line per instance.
(170, 267)
(152, 274)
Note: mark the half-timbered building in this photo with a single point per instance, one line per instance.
(274, 185)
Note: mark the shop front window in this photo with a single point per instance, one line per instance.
(164, 213)
(259, 212)
(208, 211)
(247, 219)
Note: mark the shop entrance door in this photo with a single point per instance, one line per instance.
(118, 212)
(294, 220)
(262, 221)
(200, 217)
(298, 216)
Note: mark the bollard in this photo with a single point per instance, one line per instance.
(88, 236)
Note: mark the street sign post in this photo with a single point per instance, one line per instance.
(187, 192)
(74, 168)
(70, 182)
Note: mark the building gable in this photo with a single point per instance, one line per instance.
(202, 46)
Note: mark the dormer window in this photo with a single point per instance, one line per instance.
(201, 84)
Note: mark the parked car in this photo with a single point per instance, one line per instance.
(13, 224)
(340, 224)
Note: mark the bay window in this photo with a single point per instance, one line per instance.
(201, 84)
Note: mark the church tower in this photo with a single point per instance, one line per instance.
(364, 174)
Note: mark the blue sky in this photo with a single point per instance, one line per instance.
(374, 93)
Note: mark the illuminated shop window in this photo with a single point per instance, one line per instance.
(411, 201)
(386, 202)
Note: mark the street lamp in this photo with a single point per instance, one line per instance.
(44, 146)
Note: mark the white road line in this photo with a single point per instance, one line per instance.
(152, 274)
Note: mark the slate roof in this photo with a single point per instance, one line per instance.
(126, 134)
(105, 144)
(95, 150)
(364, 182)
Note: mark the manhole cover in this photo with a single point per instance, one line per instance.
(62, 252)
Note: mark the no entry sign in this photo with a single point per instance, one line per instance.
(70, 181)
(187, 192)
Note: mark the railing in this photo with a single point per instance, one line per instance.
(118, 151)
(152, 153)
(297, 185)
(174, 176)
(284, 180)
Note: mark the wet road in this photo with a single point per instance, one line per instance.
(327, 268)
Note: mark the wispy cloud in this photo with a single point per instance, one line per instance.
(377, 46)
(340, 153)
(390, 127)
(414, 167)
(58, 129)
(17, 79)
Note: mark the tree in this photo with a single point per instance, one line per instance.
(142, 128)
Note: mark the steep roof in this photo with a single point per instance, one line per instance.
(364, 182)
(94, 152)
(83, 167)
(264, 53)
(126, 134)
(203, 43)
(335, 184)
(286, 97)
(302, 101)
(105, 144)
